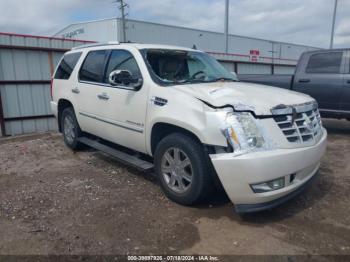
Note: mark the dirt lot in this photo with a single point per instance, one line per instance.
(54, 201)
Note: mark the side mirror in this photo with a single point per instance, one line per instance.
(124, 78)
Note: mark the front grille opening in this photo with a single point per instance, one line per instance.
(285, 125)
(280, 118)
(293, 139)
(290, 132)
(300, 122)
(307, 137)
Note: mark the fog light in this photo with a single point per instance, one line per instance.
(268, 186)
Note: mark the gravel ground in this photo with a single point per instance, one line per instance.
(54, 201)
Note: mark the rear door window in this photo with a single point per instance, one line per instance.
(93, 67)
(65, 68)
(325, 63)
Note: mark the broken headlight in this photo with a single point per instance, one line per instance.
(244, 133)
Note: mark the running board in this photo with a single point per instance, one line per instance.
(119, 155)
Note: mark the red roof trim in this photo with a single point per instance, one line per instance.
(46, 37)
(229, 54)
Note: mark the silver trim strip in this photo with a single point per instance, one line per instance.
(107, 85)
(139, 130)
(335, 111)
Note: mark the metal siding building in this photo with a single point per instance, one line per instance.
(26, 66)
(246, 55)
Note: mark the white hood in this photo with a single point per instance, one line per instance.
(258, 98)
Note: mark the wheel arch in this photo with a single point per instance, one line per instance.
(62, 104)
(162, 129)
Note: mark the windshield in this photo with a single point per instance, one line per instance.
(173, 67)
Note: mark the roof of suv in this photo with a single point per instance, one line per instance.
(136, 45)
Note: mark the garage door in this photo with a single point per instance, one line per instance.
(230, 66)
(246, 68)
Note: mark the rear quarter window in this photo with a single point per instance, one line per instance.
(66, 66)
(325, 63)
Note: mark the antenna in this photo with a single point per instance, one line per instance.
(121, 6)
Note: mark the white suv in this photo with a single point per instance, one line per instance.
(181, 108)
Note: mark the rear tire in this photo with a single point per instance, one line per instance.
(183, 169)
(70, 128)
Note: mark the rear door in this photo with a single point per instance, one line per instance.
(90, 77)
(345, 97)
(321, 76)
(115, 113)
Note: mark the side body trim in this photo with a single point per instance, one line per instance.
(115, 123)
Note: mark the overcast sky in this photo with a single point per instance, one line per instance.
(297, 21)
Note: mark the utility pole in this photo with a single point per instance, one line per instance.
(227, 4)
(333, 22)
(122, 6)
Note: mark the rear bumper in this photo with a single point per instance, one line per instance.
(237, 173)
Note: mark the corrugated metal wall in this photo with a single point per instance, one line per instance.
(26, 65)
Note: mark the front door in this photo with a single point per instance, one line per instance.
(124, 109)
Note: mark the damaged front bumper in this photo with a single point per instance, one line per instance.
(238, 172)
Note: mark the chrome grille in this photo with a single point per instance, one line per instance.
(303, 125)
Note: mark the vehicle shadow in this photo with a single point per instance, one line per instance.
(337, 127)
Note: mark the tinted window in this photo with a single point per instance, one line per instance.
(67, 65)
(325, 63)
(93, 66)
(122, 60)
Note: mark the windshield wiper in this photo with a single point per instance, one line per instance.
(222, 79)
(186, 81)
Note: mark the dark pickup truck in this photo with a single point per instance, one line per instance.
(323, 74)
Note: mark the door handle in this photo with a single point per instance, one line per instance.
(103, 96)
(348, 81)
(304, 80)
(75, 90)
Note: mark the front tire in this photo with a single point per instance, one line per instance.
(70, 128)
(183, 169)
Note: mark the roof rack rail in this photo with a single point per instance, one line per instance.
(95, 44)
